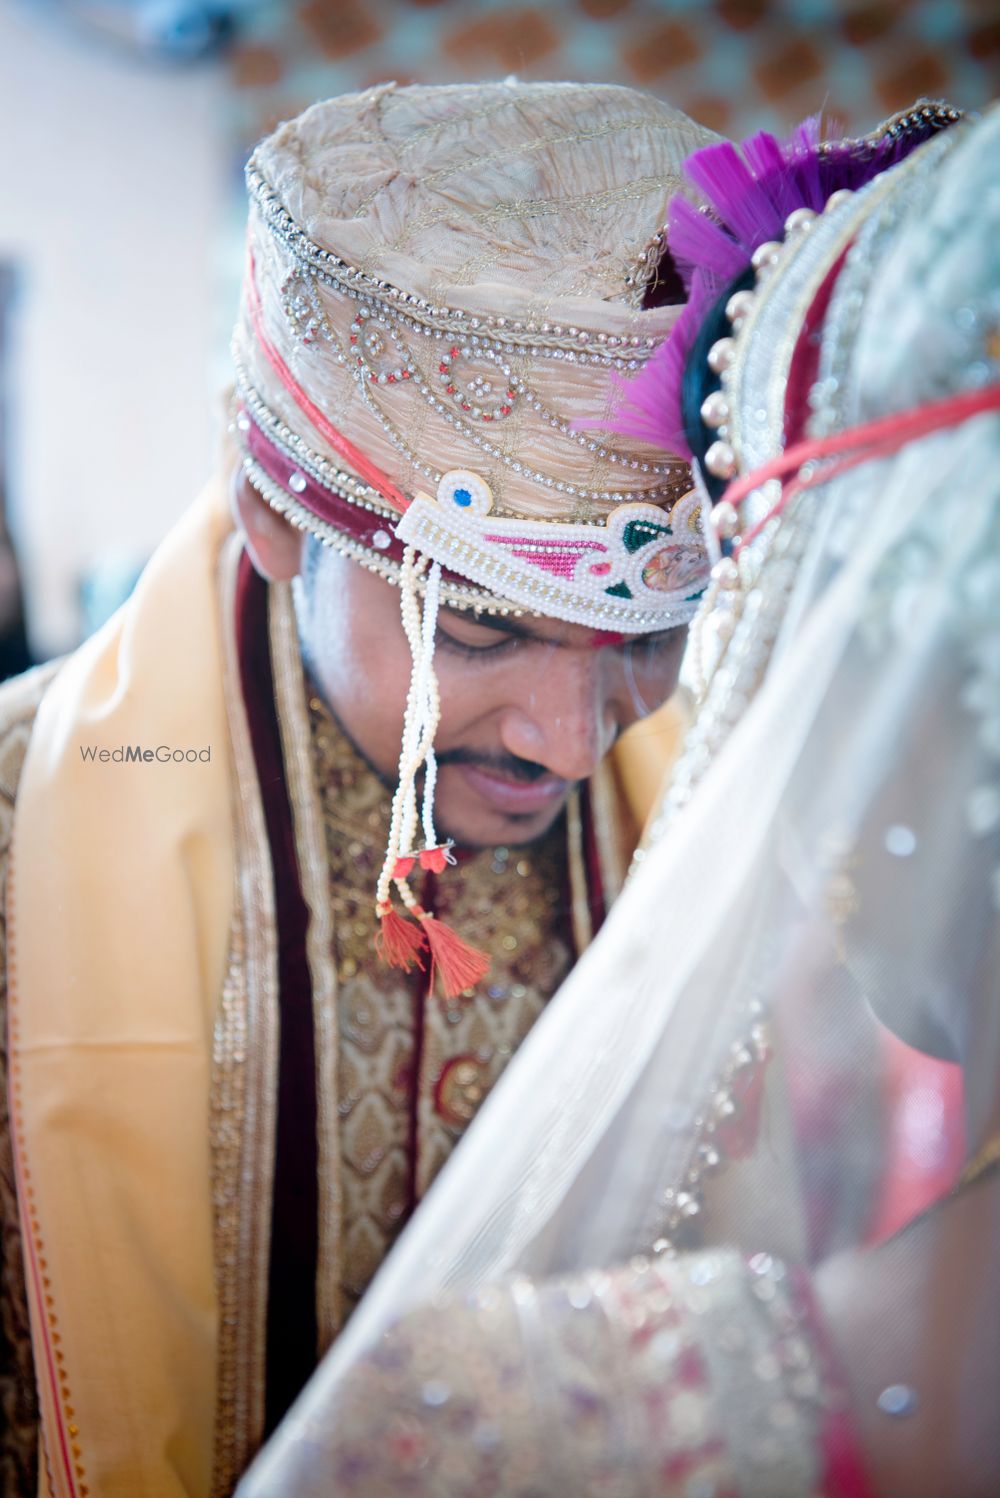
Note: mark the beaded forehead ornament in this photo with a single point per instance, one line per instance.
(440, 283)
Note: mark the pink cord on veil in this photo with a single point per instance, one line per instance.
(351, 454)
(860, 444)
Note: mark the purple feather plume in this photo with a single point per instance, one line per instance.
(644, 404)
(749, 191)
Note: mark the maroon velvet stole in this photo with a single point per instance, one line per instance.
(292, 1330)
(291, 1301)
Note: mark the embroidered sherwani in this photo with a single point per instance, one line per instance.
(411, 1069)
(336, 1087)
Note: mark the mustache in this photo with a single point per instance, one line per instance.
(508, 765)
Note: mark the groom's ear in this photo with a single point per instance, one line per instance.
(274, 544)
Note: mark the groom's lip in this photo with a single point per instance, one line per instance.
(507, 794)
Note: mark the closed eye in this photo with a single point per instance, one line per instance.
(506, 645)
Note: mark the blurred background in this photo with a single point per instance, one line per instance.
(125, 126)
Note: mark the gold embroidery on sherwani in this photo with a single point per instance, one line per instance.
(19, 701)
(514, 904)
(579, 887)
(242, 1110)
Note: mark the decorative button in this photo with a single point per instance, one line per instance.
(765, 256)
(899, 1401)
(800, 221)
(725, 520)
(715, 409)
(721, 355)
(900, 841)
(720, 460)
(466, 490)
(461, 1087)
(739, 306)
(672, 568)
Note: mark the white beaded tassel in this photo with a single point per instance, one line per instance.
(404, 799)
(423, 712)
(429, 700)
(454, 965)
(420, 631)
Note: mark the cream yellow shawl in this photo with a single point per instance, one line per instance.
(120, 902)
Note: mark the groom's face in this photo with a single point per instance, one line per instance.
(529, 706)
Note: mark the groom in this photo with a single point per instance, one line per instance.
(255, 1000)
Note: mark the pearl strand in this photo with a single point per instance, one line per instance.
(432, 695)
(409, 572)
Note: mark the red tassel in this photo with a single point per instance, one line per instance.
(403, 866)
(459, 965)
(399, 942)
(434, 859)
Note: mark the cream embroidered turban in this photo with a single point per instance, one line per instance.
(442, 284)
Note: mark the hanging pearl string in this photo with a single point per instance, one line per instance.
(410, 571)
(431, 700)
(410, 757)
(422, 715)
(420, 633)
